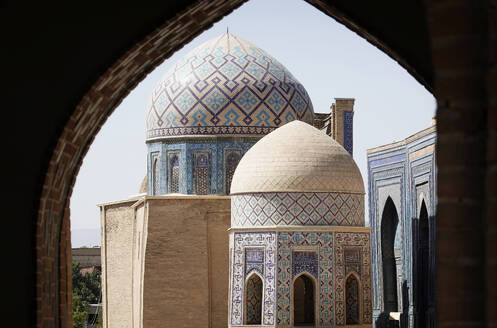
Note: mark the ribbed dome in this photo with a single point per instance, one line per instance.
(297, 158)
(226, 86)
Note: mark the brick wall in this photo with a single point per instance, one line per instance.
(459, 34)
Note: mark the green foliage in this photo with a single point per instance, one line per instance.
(86, 290)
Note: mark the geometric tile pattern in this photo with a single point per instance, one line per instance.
(348, 131)
(263, 240)
(313, 208)
(352, 258)
(174, 173)
(232, 159)
(253, 307)
(343, 241)
(352, 300)
(305, 261)
(323, 241)
(254, 261)
(185, 150)
(226, 86)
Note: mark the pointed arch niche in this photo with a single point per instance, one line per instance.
(423, 256)
(231, 162)
(304, 300)
(253, 299)
(389, 223)
(352, 300)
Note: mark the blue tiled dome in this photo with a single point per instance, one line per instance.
(226, 86)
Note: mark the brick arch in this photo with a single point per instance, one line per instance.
(462, 112)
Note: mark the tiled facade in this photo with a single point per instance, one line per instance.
(178, 156)
(320, 253)
(405, 174)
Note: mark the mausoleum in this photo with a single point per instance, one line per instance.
(299, 251)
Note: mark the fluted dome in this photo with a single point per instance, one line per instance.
(297, 158)
(226, 86)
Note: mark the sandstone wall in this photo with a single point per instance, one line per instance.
(186, 262)
(117, 241)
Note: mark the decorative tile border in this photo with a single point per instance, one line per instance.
(324, 242)
(266, 240)
(273, 209)
(342, 241)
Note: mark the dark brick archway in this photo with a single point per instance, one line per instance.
(464, 84)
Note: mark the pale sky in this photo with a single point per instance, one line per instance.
(327, 58)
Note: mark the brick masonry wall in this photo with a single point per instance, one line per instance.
(459, 36)
(465, 88)
(186, 263)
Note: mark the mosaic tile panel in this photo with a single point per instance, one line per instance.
(253, 307)
(185, 150)
(241, 241)
(254, 261)
(232, 159)
(323, 241)
(226, 86)
(174, 172)
(348, 131)
(274, 209)
(352, 300)
(202, 180)
(155, 174)
(304, 261)
(209, 152)
(352, 259)
(344, 240)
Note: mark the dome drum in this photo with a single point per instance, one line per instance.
(297, 209)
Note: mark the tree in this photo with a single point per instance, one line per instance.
(86, 289)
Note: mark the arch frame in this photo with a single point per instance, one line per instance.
(244, 315)
(52, 234)
(380, 259)
(228, 151)
(315, 284)
(361, 297)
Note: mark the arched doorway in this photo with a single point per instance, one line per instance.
(423, 257)
(389, 223)
(352, 301)
(253, 300)
(303, 301)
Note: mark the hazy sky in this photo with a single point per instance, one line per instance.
(327, 58)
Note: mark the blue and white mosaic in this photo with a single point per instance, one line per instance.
(242, 242)
(316, 208)
(218, 152)
(226, 86)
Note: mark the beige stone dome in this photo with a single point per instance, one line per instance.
(297, 158)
